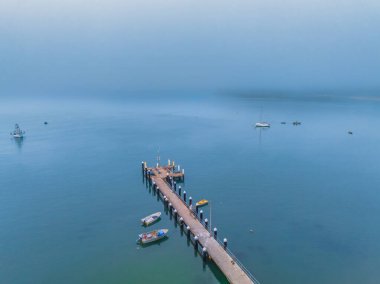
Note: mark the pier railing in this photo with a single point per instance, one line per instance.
(234, 257)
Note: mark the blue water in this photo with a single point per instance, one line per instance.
(298, 204)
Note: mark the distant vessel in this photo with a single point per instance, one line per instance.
(262, 124)
(18, 133)
(350, 132)
(151, 218)
(202, 202)
(296, 123)
(153, 236)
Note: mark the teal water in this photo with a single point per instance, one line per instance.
(72, 194)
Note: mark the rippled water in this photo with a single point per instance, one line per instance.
(298, 204)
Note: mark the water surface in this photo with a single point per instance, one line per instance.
(298, 204)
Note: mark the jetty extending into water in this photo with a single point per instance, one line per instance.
(163, 180)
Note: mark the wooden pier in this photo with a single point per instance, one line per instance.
(162, 179)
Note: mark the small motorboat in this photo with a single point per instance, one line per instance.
(283, 122)
(201, 203)
(17, 133)
(296, 123)
(153, 236)
(262, 124)
(350, 132)
(151, 218)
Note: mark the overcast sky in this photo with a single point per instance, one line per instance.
(124, 45)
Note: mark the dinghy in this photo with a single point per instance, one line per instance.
(153, 236)
(151, 218)
(202, 202)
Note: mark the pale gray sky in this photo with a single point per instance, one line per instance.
(115, 45)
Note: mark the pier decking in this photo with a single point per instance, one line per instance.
(219, 255)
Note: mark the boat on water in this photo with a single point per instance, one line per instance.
(296, 122)
(151, 218)
(202, 202)
(262, 124)
(153, 236)
(18, 133)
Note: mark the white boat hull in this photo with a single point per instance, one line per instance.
(153, 236)
(262, 124)
(151, 218)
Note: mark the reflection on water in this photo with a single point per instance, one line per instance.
(18, 142)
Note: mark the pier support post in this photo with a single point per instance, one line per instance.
(206, 223)
(179, 190)
(190, 201)
(225, 243)
(184, 196)
(215, 233)
(204, 253)
(170, 207)
(201, 215)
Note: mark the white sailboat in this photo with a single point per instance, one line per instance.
(262, 123)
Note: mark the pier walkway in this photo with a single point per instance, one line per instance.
(230, 268)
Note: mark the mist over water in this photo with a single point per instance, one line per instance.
(77, 47)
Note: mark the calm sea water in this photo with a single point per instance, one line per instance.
(297, 204)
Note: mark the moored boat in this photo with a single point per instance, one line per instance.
(153, 236)
(18, 133)
(202, 202)
(262, 124)
(151, 218)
